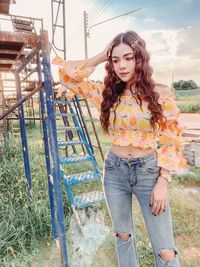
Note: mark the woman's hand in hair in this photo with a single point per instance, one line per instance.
(106, 51)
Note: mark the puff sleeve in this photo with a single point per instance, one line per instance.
(73, 76)
(170, 135)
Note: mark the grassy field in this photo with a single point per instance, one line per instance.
(25, 229)
(188, 100)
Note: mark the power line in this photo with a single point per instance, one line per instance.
(104, 8)
(101, 4)
(99, 12)
(95, 7)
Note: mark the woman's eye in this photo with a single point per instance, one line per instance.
(129, 58)
(115, 61)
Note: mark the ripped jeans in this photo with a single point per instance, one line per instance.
(121, 178)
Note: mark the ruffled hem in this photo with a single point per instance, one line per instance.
(171, 159)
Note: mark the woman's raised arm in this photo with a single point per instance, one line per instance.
(74, 75)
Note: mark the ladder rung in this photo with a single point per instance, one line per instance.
(80, 178)
(57, 25)
(60, 102)
(88, 119)
(69, 143)
(95, 145)
(64, 114)
(67, 128)
(88, 199)
(56, 1)
(70, 160)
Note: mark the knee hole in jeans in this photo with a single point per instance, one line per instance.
(167, 254)
(123, 236)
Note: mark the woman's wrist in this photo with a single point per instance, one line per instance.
(96, 60)
(162, 181)
(164, 178)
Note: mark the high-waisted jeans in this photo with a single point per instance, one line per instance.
(121, 178)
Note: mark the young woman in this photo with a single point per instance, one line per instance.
(141, 118)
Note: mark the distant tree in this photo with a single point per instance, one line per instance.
(97, 81)
(185, 85)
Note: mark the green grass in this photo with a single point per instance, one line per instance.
(188, 100)
(21, 223)
(185, 205)
(25, 229)
(185, 94)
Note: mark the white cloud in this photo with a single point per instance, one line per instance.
(148, 19)
(175, 51)
(171, 50)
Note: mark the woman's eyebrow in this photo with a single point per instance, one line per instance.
(123, 55)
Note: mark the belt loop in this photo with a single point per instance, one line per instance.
(117, 163)
(142, 162)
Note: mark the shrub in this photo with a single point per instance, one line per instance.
(185, 85)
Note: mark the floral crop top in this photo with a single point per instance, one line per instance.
(132, 124)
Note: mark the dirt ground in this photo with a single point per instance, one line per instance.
(191, 121)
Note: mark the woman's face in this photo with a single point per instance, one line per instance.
(123, 62)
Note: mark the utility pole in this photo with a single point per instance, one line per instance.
(85, 16)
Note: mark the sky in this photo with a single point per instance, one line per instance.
(170, 28)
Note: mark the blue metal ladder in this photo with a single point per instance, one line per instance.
(89, 198)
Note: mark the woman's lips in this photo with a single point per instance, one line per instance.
(123, 73)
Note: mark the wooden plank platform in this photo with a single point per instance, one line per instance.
(12, 46)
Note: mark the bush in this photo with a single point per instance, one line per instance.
(185, 85)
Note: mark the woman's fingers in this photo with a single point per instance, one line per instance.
(157, 202)
(162, 207)
(158, 207)
(151, 199)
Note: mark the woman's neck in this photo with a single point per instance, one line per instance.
(127, 90)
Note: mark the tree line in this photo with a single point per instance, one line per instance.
(185, 85)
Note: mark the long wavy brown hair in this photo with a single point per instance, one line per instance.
(143, 82)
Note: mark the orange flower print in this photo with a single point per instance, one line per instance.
(133, 121)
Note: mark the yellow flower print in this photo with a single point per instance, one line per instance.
(117, 121)
(143, 124)
(128, 109)
(119, 109)
(169, 106)
(124, 124)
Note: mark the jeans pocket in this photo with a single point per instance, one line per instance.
(109, 164)
(152, 169)
(151, 166)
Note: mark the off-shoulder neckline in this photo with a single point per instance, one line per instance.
(126, 96)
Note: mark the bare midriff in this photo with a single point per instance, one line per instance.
(130, 151)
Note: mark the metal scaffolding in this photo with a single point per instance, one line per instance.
(25, 54)
(39, 51)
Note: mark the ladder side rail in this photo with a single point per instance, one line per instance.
(84, 128)
(24, 138)
(83, 138)
(54, 146)
(46, 149)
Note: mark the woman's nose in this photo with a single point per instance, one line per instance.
(122, 64)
